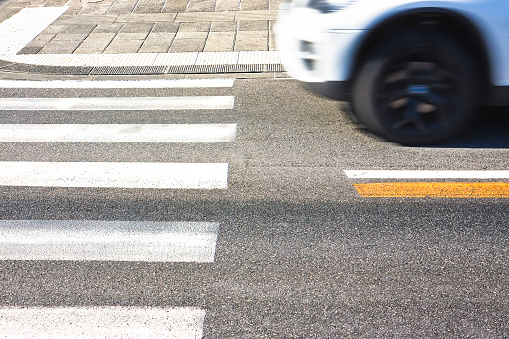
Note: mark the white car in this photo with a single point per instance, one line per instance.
(414, 71)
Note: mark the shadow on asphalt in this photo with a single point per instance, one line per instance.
(490, 130)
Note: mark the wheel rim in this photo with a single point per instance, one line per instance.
(419, 92)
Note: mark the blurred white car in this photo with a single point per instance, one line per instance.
(414, 71)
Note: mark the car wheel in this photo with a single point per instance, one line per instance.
(416, 88)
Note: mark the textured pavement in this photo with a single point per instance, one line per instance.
(213, 29)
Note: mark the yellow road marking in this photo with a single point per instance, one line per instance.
(433, 190)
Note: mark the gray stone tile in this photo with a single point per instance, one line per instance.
(54, 29)
(108, 28)
(227, 5)
(251, 41)
(205, 16)
(187, 45)
(95, 43)
(256, 15)
(78, 28)
(143, 28)
(200, 6)
(41, 40)
(220, 42)
(122, 7)
(94, 9)
(131, 36)
(66, 20)
(60, 47)
(165, 27)
(255, 25)
(275, 4)
(194, 27)
(30, 50)
(224, 26)
(191, 35)
(149, 7)
(174, 6)
(70, 37)
(139, 18)
(123, 46)
(157, 43)
(250, 5)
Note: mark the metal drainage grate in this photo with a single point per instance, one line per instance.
(127, 70)
(197, 69)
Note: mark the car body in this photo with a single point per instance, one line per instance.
(339, 47)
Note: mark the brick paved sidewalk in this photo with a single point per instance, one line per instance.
(152, 26)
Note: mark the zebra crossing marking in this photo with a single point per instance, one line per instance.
(118, 103)
(102, 322)
(105, 84)
(115, 175)
(92, 240)
(104, 133)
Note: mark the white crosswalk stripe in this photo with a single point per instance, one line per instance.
(116, 103)
(101, 322)
(108, 240)
(115, 175)
(118, 132)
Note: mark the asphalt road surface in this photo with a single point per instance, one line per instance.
(252, 220)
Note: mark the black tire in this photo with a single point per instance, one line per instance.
(417, 88)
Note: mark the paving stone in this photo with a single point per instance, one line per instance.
(257, 25)
(143, 28)
(60, 47)
(200, 5)
(138, 18)
(94, 9)
(191, 35)
(205, 16)
(78, 28)
(220, 42)
(275, 4)
(187, 45)
(108, 28)
(65, 20)
(122, 7)
(131, 36)
(174, 6)
(149, 6)
(54, 29)
(256, 15)
(95, 43)
(30, 50)
(41, 40)
(227, 5)
(223, 26)
(249, 5)
(123, 46)
(194, 27)
(157, 43)
(70, 37)
(251, 41)
(165, 27)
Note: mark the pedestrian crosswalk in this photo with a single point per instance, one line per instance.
(112, 240)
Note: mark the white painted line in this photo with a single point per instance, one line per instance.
(115, 175)
(101, 322)
(156, 83)
(402, 174)
(108, 240)
(117, 133)
(117, 103)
